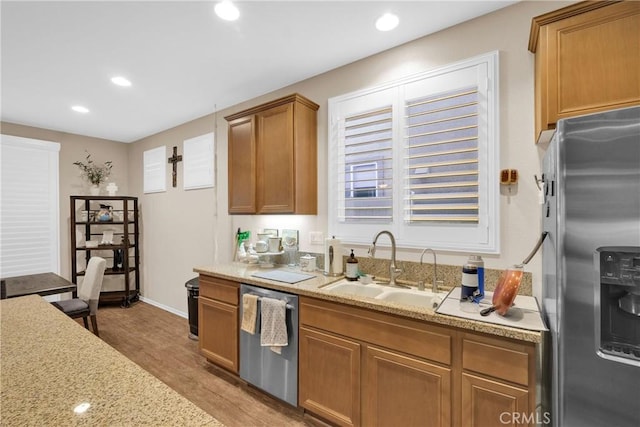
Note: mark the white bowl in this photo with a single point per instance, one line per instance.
(92, 244)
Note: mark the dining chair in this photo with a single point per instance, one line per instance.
(86, 304)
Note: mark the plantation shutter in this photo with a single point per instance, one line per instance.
(367, 173)
(29, 233)
(419, 156)
(441, 157)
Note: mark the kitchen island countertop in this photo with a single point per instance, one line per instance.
(51, 364)
(314, 287)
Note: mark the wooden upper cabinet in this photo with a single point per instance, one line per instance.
(275, 155)
(242, 166)
(587, 59)
(273, 158)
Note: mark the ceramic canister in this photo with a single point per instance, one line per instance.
(275, 244)
(308, 263)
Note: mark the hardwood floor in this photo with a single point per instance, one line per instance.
(158, 341)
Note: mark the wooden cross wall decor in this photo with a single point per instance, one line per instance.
(175, 159)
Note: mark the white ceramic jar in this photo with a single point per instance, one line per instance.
(308, 263)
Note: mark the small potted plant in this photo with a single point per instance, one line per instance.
(94, 173)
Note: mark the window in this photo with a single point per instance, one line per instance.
(364, 180)
(441, 153)
(30, 236)
(155, 170)
(198, 171)
(419, 157)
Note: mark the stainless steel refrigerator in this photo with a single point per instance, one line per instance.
(591, 271)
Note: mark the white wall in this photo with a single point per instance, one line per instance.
(182, 229)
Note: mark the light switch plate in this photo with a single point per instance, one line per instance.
(316, 238)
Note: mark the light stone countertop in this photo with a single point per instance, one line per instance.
(241, 272)
(50, 364)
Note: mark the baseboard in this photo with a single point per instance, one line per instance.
(164, 307)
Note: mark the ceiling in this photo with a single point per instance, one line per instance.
(184, 62)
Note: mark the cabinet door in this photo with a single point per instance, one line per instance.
(400, 390)
(589, 63)
(242, 166)
(329, 377)
(275, 168)
(218, 330)
(493, 403)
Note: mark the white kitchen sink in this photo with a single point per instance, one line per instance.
(412, 297)
(355, 288)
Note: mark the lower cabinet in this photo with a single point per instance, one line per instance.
(360, 367)
(219, 334)
(487, 402)
(329, 376)
(498, 382)
(218, 322)
(401, 390)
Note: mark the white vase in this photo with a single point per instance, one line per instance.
(94, 190)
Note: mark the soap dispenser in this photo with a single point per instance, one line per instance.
(352, 267)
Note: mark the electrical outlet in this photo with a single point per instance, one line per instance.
(316, 238)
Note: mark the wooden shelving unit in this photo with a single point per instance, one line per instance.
(125, 227)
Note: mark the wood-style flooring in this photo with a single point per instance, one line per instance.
(158, 341)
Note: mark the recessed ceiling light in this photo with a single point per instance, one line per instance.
(387, 22)
(227, 10)
(80, 109)
(120, 81)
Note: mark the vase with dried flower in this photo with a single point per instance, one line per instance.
(94, 173)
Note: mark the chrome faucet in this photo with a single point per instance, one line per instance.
(393, 270)
(434, 283)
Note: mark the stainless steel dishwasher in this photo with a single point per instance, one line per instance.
(277, 374)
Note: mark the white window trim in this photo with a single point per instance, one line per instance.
(487, 232)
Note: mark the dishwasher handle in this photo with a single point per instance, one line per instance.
(288, 306)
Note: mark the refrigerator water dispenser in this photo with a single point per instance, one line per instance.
(617, 296)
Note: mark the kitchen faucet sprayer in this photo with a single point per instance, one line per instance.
(372, 250)
(393, 270)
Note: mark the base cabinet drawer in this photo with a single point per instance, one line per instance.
(218, 333)
(401, 390)
(494, 358)
(219, 289)
(487, 402)
(329, 377)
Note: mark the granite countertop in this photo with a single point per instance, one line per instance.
(241, 272)
(51, 364)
